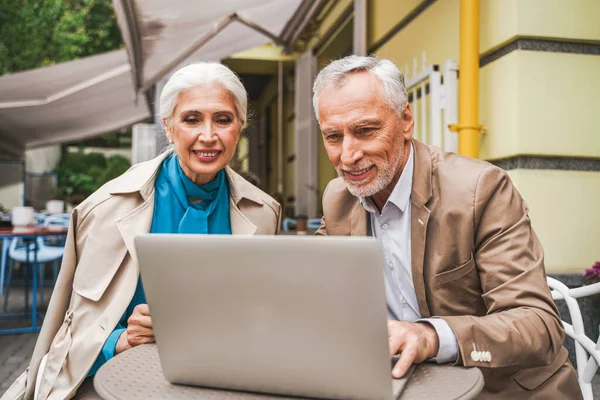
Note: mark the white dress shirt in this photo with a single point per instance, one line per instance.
(392, 229)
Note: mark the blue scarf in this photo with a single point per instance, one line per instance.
(174, 212)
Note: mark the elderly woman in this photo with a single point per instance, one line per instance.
(98, 308)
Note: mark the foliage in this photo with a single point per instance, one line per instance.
(592, 275)
(80, 174)
(116, 165)
(36, 33)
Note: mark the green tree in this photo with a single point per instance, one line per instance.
(80, 174)
(35, 33)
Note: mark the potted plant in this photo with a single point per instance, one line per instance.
(590, 305)
(80, 174)
(592, 275)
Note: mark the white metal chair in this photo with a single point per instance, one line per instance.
(24, 253)
(584, 346)
(290, 223)
(57, 220)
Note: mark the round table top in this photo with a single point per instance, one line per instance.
(137, 374)
(32, 231)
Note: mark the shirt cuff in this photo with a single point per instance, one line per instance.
(448, 350)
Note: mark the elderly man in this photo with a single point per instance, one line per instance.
(464, 273)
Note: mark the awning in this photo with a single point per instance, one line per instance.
(160, 34)
(69, 101)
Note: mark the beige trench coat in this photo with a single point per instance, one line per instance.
(99, 273)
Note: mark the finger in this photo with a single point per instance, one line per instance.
(396, 335)
(137, 340)
(407, 357)
(139, 331)
(136, 330)
(138, 319)
(396, 342)
(142, 309)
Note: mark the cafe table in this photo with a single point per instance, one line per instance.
(29, 234)
(137, 374)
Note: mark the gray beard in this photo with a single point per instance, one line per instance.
(384, 177)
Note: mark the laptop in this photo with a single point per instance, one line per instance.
(284, 315)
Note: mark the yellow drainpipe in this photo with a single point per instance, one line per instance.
(468, 126)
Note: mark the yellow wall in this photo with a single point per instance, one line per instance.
(570, 19)
(564, 213)
(383, 15)
(498, 22)
(530, 101)
(331, 17)
(434, 31)
(341, 43)
(498, 109)
(540, 103)
(559, 96)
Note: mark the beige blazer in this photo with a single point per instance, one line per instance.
(476, 263)
(99, 273)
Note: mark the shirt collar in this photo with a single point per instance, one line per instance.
(400, 195)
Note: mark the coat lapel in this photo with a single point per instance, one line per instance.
(240, 224)
(139, 220)
(135, 223)
(421, 193)
(239, 190)
(418, 225)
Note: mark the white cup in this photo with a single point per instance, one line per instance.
(23, 216)
(55, 206)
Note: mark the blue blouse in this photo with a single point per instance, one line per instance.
(175, 213)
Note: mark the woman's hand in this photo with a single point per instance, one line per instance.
(139, 329)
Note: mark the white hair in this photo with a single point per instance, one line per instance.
(200, 73)
(385, 71)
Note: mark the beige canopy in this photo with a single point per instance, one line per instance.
(68, 101)
(160, 35)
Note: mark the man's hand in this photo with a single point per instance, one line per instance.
(139, 329)
(416, 342)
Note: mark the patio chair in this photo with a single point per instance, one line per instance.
(39, 218)
(290, 223)
(587, 352)
(56, 220)
(18, 250)
(314, 223)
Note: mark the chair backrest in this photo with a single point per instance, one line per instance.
(288, 223)
(19, 244)
(57, 220)
(314, 223)
(39, 218)
(587, 351)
